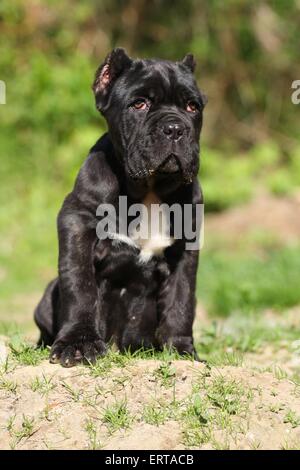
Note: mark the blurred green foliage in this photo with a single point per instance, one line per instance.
(247, 55)
(244, 283)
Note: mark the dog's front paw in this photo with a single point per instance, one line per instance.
(182, 344)
(74, 347)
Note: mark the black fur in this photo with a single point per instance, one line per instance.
(103, 292)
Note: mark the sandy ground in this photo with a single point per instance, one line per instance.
(61, 417)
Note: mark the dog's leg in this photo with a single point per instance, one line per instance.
(176, 306)
(81, 325)
(46, 312)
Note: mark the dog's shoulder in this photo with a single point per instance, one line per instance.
(102, 147)
(97, 180)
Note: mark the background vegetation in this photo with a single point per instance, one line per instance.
(247, 55)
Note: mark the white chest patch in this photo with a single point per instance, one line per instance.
(151, 231)
(152, 235)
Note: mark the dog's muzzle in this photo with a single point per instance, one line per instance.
(170, 165)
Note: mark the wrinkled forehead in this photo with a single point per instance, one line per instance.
(160, 79)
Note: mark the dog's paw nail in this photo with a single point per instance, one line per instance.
(53, 359)
(68, 363)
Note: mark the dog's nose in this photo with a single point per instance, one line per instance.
(173, 131)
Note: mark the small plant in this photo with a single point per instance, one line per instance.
(197, 428)
(222, 358)
(45, 414)
(279, 373)
(117, 416)
(166, 373)
(10, 423)
(75, 395)
(195, 436)
(6, 366)
(91, 430)
(27, 354)
(276, 408)
(255, 445)
(219, 445)
(229, 395)
(292, 418)
(24, 431)
(104, 364)
(43, 385)
(155, 414)
(291, 445)
(8, 385)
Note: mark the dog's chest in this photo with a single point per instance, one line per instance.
(152, 234)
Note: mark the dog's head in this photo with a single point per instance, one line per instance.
(154, 113)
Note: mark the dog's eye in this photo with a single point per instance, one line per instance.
(140, 104)
(192, 107)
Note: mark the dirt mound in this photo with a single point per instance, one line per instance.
(277, 217)
(147, 404)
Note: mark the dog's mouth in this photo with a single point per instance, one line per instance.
(170, 168)
(171, 165)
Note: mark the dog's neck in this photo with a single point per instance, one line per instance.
(153, 235)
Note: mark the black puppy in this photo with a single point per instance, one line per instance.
(137, 293)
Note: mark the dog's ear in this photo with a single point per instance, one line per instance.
(112, 67)
(189, 62)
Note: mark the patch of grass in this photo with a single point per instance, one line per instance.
(220, 445)
(91, 430)
(214, 404)
(226, 341)
(91, 399)
(27, 354)
(279, 373)
(255, 445)
(115, 359)
(167, 354)
(8, 385)
(292, 418)
(74, 394)
(196, 422)
(117, 416)
(229, 395)
(43, 385)
(45, 413)
(276, 407)
(26, 429)
(121, 381)
(155, 414)
(295, 378)
(198, 407)
(104, 364)
(222, 358)
(166, 374)
(291, 445)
